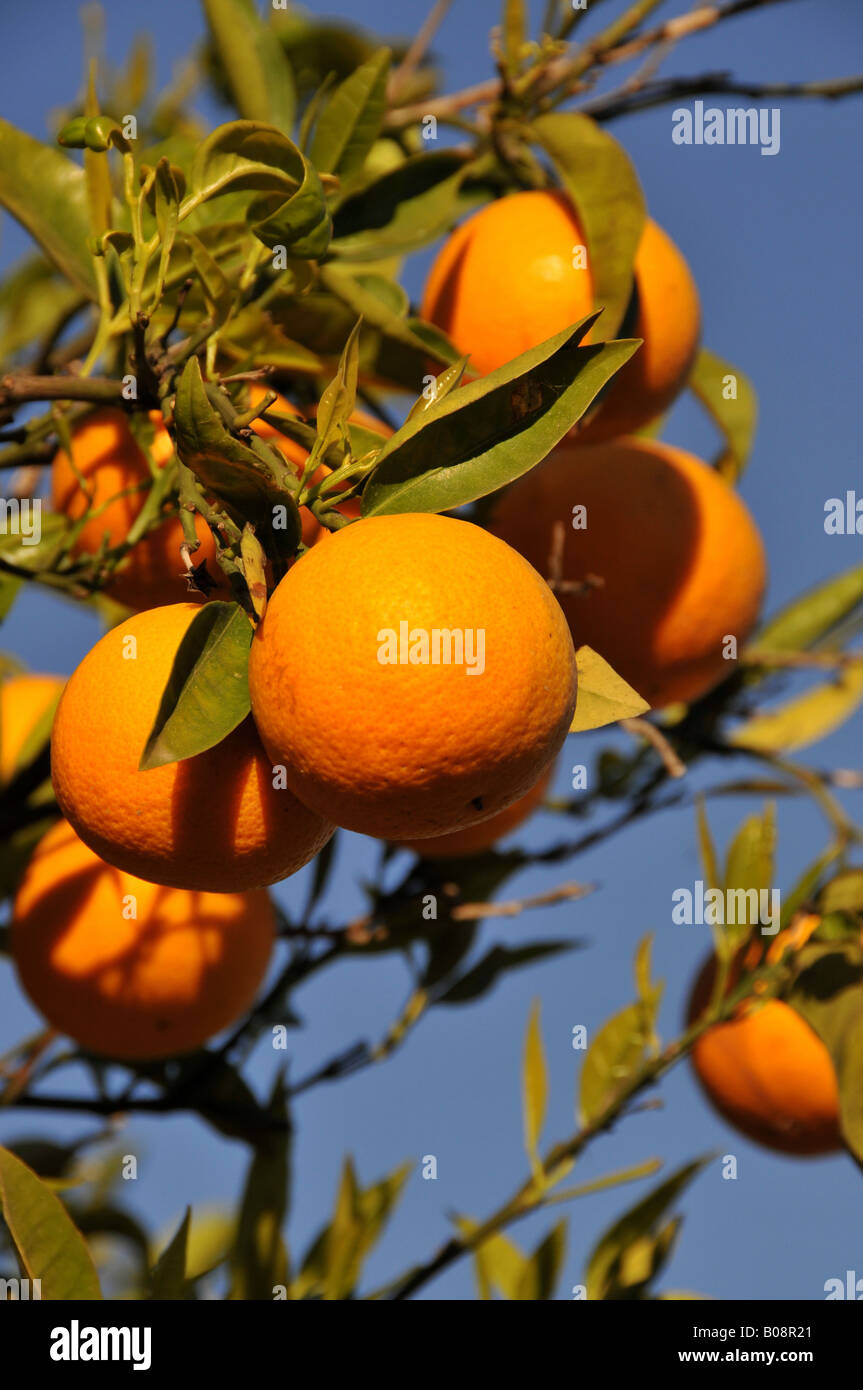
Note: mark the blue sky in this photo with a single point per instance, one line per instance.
(774, 246)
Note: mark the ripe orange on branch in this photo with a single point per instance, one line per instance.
(129, 969)
(680, 560)
(413, 674)
(116, 478)
(24, 702)
(766, 1071)
(514, 274)
(214, 821)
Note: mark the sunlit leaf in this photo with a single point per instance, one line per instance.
(603, 696)
(49, 1247)
(804, 720)
(534, 1085)
(600, 179)
(47, 193)
(729, 398)
(351, 120)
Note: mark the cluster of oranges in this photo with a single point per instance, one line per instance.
(413, 676)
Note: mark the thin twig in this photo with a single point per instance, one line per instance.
(418, 49)
(642, 728)
(567, 892)
(623, 103)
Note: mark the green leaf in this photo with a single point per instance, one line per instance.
(260, 1259)
(804, 720)
(334, 1261)
(749, 862)
(255, 64)
(218, 295)
(404, 210)
(844, 893)
(249, 156)
(603, 696)
(614, 1055)
(542, 1269)
(735, 417)
(252, 479)
(636, 1224)
(339, 399)
(168, 1277)
(534, 1086)
(207, 694)
(707, 849)
(47, 193)
(499, 959)
(601, 181)
(301, 223)
(48, 1245)
(811, 617)
(351, 120)
(498, 1262)
(488, 433)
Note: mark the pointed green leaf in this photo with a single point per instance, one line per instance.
(640, 1221)
(207, 694)
(47, 193)
(749, 862)
(534, 1085)
(48, 1245)
(351, 120)
(403, 210)
(499, 959)
(489, 433)
(542, 1269)
(614, 1055)
(811, 617)
(168, 1277)
(603, 696)
(600, 179)
(251, 478)
(844, 893)
(707, 849)
(729, 398)
(260, 1259)
(255, 64)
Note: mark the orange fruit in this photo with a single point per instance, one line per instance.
(505, 280)
(129, 969)
(115, 469)
(414, 676)
(212, 822)
(25, 702)
(668, 319)
(766, 1071)
(681, 561)
(296, 455)
(477, 838)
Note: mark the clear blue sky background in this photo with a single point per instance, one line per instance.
(775, 245)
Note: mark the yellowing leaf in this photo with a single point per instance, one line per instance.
(535, 1085)
(805, 719)
(49, 1245)
(603, 696)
